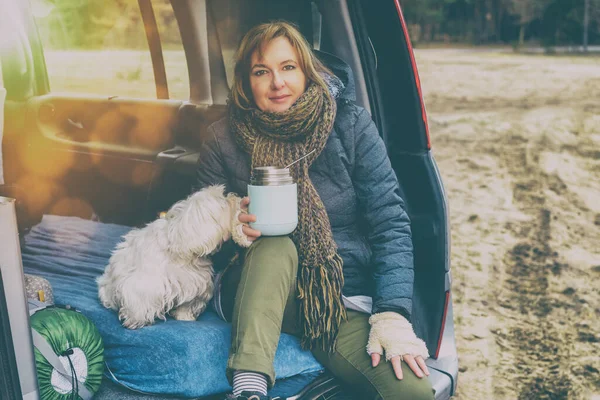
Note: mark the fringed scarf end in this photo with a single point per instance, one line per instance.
(322, 309)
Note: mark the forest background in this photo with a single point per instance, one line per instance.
(545, 23)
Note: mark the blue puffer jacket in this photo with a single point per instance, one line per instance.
(359, 189)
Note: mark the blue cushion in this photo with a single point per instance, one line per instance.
(173, 357)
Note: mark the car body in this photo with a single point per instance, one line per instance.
(118, 154)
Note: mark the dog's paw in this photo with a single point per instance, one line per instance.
(235, 226)
(131, 323)
(183, 314)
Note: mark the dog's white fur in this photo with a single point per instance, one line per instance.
(163, 267)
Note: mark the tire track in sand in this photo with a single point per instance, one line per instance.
(536, 347)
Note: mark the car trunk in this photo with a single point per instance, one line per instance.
(130, 185)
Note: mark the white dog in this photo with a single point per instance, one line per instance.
(163, 267)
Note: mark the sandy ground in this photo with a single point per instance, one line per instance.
(517, 139)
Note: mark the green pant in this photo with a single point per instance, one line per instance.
(260, 301)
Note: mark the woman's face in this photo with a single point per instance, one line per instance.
(276, 79)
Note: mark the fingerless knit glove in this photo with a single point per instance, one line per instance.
(393, 333)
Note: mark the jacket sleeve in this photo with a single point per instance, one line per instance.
(388, 225)
(211, 166)
(212, 170)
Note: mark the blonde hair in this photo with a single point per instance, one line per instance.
(254, 40)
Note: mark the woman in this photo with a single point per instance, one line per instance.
(351, 254)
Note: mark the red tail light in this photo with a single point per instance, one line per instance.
(414, 66)
(446, 302)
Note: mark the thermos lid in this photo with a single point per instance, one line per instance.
(271, 176)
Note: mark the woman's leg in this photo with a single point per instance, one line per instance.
(352, 365)
(255, 299)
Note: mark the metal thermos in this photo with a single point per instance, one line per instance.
(271, 176)
(274, 200)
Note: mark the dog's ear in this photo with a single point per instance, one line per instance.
(199, 224)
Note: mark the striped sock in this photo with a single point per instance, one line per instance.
(249, 381)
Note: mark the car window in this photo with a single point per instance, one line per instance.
(100, 47)
(16, 54)
(173, 54)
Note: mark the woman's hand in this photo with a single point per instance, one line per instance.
(246, 218)
(392, 333)
(416, 364)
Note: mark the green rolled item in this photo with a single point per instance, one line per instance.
(68, 332)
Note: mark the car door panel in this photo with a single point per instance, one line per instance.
(176, 175)
(89, 155)
(191, 131)
(132, 129)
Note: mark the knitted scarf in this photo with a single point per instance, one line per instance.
(278, 139)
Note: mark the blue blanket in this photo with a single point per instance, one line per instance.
(174, 357)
